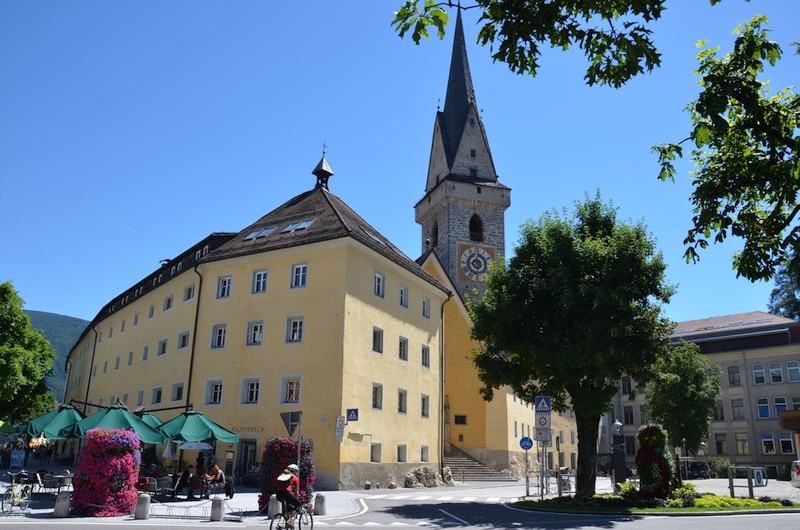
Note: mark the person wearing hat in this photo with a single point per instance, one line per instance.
(289, 491)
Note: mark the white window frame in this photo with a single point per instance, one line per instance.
(188, 292)
(379, 285)
(117, 363)
(291, 387)
(122, 326)
(110, 331)
(255, 333)
(793, 371)
(251, 390)
(156, 395)
(377, 340)
(219, 333)
(105, 367)
(260, 278)
(130, 358)
(294, 328)
(425, 406)
(402, 297)
(377, 396)
(775, 373)
(168, 303)
(145, 352)
(140, 397)
(783, 437)
(762, 404)
(299, 276)
(214, 390)
(183, 340)
(151, 311)
(176, 393)
(425, 354)
(759, 373)
(768, 438)
(402, 349)
(224, 286)
(426, 307)
(135, 319)
(779, 403)
(162, 347)
(402, 401)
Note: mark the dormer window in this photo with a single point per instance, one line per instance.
(473, 172)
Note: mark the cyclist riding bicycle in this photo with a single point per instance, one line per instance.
(289, 491)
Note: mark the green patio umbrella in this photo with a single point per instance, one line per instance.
(151, 419)
(193, 426)
(118, 417)
(55, 425)
(6, 427)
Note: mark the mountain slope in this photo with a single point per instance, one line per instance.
(62, 332)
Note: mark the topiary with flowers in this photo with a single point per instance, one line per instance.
(278, 453)
(655, 477)
(105, 480)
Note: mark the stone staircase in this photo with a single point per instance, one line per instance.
(467, 469)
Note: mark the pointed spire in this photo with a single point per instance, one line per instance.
(460, 93)
(323, 171)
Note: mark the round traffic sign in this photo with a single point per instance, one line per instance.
(542, 420)
(526, 443)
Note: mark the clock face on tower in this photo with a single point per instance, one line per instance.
(474, 262)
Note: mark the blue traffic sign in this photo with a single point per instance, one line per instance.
(526, 443)
(542, 404)
(352, 414)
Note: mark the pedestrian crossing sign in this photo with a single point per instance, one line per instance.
(542, 404)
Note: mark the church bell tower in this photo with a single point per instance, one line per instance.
(462, 212)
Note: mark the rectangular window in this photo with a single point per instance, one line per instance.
(404, 295)
(188, 293)
(168, 303)
(259, 282)
(722, 443)
(402, 349)
(183, 340)
(630, 446)
(291, 389)
(140, 398)
(426, 307)
(742, 448)
(116, 363)
(719, 412)
(626, 385)
(294, 329)
(793, 371)
(378, 284)
(218, 335)
(110, 332)
(402, 401)
(767, 443)
(572, 437)
(643, 414)
(162, 347)
(737, 409)
(100, 337)
(795, 402)
(105, 366)
(122, 326)
(426, 405)
(224, 287)
(424, 453)
(733, 376)
(250, 390)
(299, 273)
(145, 351)
(426, 356)
(214, 392)
(130, 358)
(151, 311)
(775, 373)
(460, 419)
(377, 340)
(136, 319)
(780, 405)
(762, 405)
(759, 378)
(375, 452)
(787, 445)
(156, 396)
(255, 332)
(627, 415)
(377, 396)
(402, 451)
(177, 392)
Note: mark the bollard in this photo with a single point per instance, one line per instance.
(142, 506)
(63, 500)
(274, 507)
(319, 504)
(217, 508)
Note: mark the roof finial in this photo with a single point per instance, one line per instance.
(323, 170)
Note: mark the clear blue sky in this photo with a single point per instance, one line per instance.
(131, 130)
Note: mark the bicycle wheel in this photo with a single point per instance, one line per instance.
(305, 520)
(24, 498)
(7, 502)
(277, 522)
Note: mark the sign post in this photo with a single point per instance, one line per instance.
(542, 407)
(293, 420)
(526, 443)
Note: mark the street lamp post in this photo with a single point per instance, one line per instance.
(683, 455)
(618, 454)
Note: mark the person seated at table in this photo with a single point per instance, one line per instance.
(184, 480)
(215, 478)
(240, 473)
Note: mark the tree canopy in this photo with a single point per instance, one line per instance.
(685, 373)
(25, 360)
(613, 34)
(747, 142)
(575, 308)
(784, 300)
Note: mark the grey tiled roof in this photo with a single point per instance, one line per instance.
(332, 219)
(742, 323)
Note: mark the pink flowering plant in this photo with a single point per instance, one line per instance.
(105, 480)
(279, 452)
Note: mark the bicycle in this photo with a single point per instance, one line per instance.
(303, 516)
(17, 495)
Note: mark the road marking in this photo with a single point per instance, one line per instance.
(378, 496)
(494, 499)
(444, 498)
(448, 514)
(422, 497)
(468, 499)
(398, 497)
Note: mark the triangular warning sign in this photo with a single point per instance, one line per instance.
(352, 414)
(542, 403)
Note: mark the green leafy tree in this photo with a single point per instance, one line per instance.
(25, 360)
(685, 373)
(746, 150)
(784, 300)
(613, 34)
(578, 306)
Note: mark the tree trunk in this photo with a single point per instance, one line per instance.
(587, 454)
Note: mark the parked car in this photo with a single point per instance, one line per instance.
(795, 474)
(699, 470)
